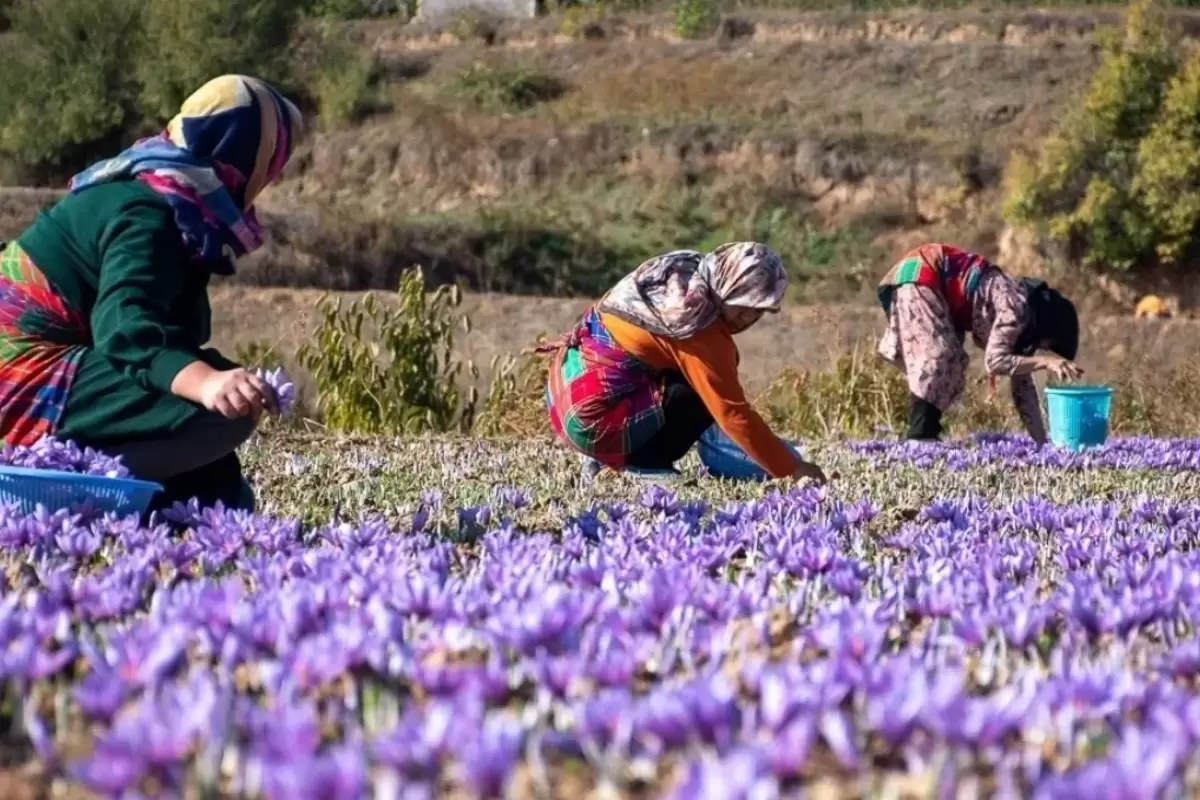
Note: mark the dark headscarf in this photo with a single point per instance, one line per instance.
(1052, 318)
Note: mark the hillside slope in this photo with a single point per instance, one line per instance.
(529, 161)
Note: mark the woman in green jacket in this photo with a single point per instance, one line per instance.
(104, 307)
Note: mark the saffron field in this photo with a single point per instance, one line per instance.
(455, 617)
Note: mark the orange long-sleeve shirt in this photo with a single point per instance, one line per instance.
(709, 363)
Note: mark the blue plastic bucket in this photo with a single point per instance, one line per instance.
(55, 490)
(1078, 415)
(724, 459)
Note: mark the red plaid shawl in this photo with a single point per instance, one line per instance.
(601, 400)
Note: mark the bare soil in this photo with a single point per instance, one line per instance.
(800, 337)
(899, 123)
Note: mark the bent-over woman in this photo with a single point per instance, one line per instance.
(936, 295)
(104, 309)
(653, 364)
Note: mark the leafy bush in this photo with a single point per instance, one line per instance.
(499, 89)
(84, 77)
(1168, 178)
(696, 19)
(582, 21)
(516, 402)
(67, 87)
(342, 81)
(1105, 183)
(388, 367)
(187, 44)
(354, 9)
(475, 25)
(857, 397)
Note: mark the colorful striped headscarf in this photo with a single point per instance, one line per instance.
(230, 140)
(681, 293)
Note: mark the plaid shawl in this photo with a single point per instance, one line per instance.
(601, 400)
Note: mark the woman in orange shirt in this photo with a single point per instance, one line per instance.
(653, 364)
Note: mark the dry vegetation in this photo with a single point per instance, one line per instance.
(543, 160)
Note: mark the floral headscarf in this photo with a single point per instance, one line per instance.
(231, 139)
(681, 293)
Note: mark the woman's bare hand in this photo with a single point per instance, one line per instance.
(237, 393)
(1061, 368)
(812, 472)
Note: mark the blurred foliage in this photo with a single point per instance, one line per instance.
(499, 90)
(696, 19)
(254, 354)
(343, 82)
(86, 77)
(515, 405)
(186, 44)
(68, 88)
(859, 396)
(1118, 184)
(388, 367)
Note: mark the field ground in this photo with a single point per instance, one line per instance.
(460, 613)
(801, 337)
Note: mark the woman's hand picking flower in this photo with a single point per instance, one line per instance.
(237, 393)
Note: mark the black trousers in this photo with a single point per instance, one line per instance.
(219, 480)
(924, 420)
(686, 420)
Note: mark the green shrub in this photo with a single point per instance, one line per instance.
(388, 367)
(1084, 191)
(1168, 178)
(582, 21)
(856, 398)
(340, 80)
(696, 19)
(84, 77)
(254, 354)
(475, 25)
(335, 9)
(187, 44)
(501, 89)
(67, 86)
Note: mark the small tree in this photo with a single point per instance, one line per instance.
(1168, 178)
(67, 85)
(189, 43)
(1082, 190)
(384, 368)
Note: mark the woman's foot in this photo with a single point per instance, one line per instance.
(589, 468)
(651, 473)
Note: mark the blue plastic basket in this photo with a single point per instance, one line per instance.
(1079, 415)
(724, 459)
(55, 490)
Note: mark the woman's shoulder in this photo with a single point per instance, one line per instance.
(92, 216)
(105, 200)
(98, 212)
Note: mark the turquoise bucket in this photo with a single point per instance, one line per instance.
(1079, 415)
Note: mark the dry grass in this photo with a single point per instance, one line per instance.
(800, 338)
(876, 129)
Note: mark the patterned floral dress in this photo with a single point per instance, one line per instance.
(923, 340)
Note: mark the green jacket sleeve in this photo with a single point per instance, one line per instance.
(217, 360)
(142, 274)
